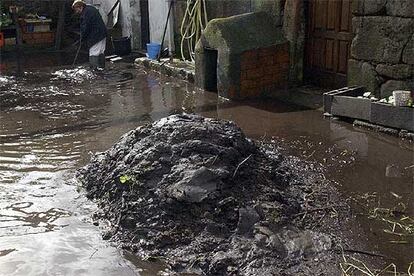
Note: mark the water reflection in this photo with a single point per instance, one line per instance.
(16, 216)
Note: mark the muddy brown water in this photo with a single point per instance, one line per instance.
(52, 119)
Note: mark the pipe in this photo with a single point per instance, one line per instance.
(192, 25)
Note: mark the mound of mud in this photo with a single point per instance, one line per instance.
(198, 194)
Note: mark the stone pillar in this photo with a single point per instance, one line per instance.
(294, 30)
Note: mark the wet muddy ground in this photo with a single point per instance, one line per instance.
(53, 118)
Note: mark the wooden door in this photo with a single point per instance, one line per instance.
(328, 41)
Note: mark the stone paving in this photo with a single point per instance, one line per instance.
(175, 68)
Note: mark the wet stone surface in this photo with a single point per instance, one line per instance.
(200, 195)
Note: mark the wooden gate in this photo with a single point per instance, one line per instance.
(328, 41)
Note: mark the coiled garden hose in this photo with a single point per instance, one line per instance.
(194, 22)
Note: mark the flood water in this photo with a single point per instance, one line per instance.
(52, 119)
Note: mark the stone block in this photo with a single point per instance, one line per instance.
(408, 52)
(345, 91)
(368, 7)
(351, 107)
(403, 8)
(391, 85)
(392, 116)
(363, 73)
(397, 71)
(380, 38)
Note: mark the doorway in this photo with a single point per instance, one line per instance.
(145, 32)
(328, 40)
(210, 70)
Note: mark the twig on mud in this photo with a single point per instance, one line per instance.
(348, 266)
(399, 226)
(351, 265)
(310, 155)
(356, 251)
(319, 221)
(263, 137)
(214, 161)
(399, 242)
(241, 163)
(331, 207)
(409, 167)
(93, 253)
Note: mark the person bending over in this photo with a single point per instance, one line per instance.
(92, 32)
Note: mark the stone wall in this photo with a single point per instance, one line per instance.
(382, 51)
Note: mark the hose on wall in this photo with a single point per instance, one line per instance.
(193, 23)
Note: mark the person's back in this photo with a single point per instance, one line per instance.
(93, 28)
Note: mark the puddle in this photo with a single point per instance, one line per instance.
(52, 119)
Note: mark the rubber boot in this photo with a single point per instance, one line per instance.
(101, 62)
(93, 62)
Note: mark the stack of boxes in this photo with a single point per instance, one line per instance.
(37, 31)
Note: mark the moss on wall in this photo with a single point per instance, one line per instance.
(274, 8)
(243, 32)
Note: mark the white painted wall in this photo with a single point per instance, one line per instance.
(124, 18)
(130, 19)
(135, 23)
(158, 11)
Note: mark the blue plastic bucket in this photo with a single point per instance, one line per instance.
(153, 49)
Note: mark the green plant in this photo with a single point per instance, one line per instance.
(410, 103)
(125, 178)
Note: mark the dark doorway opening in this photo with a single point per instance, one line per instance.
(145, 32)
(210, 70)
